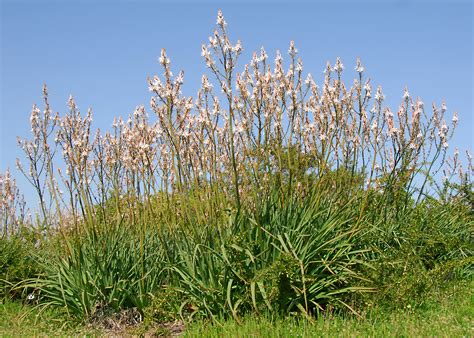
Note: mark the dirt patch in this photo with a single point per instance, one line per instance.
(129, 323)
(116, 322)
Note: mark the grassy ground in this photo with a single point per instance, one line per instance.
(24, 320)
(448, 314)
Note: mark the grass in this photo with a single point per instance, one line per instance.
(17, 319)
(449, 313)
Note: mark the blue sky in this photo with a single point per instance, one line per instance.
(102, 52)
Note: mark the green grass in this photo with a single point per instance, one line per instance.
(449, 313)
(17, 319)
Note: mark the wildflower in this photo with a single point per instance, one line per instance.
(71, 102)
(338, 67)
(299, 66)
(455, 118)
(368, 90)
(359, 68)
(292, 50)
(373, 127)
(406, 94)
(213, 42)
(379, 96)
(443, 129)
(255, 60)
(238, 47)
(207, 56)
(220, 19)
(164, 61)
(180, 79)
(443, 107)
(263, 54)
(239, 128)
(328, 69)
(34, 117)
(205, 83)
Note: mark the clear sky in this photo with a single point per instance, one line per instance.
(102, 52)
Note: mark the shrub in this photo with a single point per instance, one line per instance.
(431, 245)
(19, 260)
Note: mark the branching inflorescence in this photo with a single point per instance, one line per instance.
(244, 134)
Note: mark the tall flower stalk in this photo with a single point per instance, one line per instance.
(277, 129)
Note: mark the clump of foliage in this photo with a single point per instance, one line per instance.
(17, 263)
(101, 272)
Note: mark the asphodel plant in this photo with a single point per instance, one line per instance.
(250, 129)
(12, 206)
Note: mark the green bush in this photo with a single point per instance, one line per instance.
(18, 261)
(417, 253)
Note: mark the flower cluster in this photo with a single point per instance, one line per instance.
(12, 205)
(243, 133)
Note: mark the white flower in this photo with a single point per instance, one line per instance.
(180, 79)
(163, 58)
(238, 47)
(292, 50)
(205, 83)
(406, 94)
(328, 68)
(70, 102)
(213, 42)
(338, 67)
(368, 90)
(239, 128)
(379, 94)
(359, 68)
(299, 66)
(455, 118)
(220, 19)
(263, 54)
(374, 126)
(443, 107)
